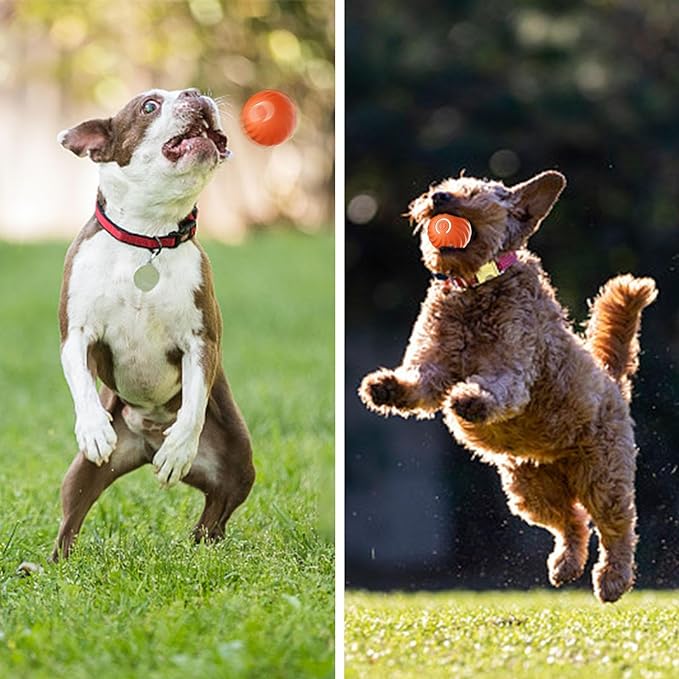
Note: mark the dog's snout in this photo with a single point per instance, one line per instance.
(192, 92)
(193, 103)
(441, 198)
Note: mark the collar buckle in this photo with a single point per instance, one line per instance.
(487, 272)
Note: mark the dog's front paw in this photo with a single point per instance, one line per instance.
(382, 390)
(174, 458)
(96, 437)
(472, 403)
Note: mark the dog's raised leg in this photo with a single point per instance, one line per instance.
(541, 495)
(491, 395)
(610, 502)
(85, 482)
(176, 454)
(93, 430)
(223, 468)
(405, 391)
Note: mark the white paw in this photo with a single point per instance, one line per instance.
(174, 459)
(95, 435)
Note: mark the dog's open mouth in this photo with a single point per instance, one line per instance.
(200, 136)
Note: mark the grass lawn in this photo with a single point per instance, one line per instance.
(137, 598)
(531, 635)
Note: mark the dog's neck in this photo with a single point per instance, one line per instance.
(492, 269)
(147, 207)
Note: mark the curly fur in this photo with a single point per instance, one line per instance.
(613, 328)
(518, 387)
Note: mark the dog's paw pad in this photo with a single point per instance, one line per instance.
(381, 389)
(385, 392)
(472, 407)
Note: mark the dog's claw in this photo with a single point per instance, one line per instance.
(174, 458)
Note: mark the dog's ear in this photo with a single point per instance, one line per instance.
(93, 138)
(531, 202)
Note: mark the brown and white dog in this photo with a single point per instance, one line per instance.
(155, 341)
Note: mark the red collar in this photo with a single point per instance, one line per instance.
(490, 270)
(186, 229)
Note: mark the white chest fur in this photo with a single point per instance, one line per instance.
(140, 328)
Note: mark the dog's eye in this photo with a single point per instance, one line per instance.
(149, 106)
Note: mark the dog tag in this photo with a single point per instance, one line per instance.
(146, 277)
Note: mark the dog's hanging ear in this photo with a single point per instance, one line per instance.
(531, 202)
(93, 138)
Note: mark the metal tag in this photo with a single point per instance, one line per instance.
(146, 277)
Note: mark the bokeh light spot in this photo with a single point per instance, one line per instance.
(591, 77)
(504, 163)
(362, 208)
(68, 31)
(206, 12)
(321, 74)
(110, 89)
(284, 46)
(239, 70)
(250, 9)
(441, 127)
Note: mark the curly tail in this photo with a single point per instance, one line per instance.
(613, 326)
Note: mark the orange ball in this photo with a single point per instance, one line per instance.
(268, 117)
(449, 231)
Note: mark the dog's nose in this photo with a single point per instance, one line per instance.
(441, 198)
(192, 92)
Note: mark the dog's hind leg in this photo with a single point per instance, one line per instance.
(606, 489)
(541, 495)
(223, 468)
(85, 481)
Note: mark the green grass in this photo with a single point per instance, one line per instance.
(532, 635)
(137, 598)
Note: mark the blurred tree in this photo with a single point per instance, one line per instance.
(94, 52)
(242, 43)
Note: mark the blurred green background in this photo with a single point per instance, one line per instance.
(505, 90)
(61, 62)
(261, 603)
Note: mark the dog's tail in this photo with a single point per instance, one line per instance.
(613, 326)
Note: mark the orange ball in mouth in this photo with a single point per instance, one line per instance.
(449, 231)
(268, 117)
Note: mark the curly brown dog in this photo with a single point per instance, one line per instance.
(494, 350)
